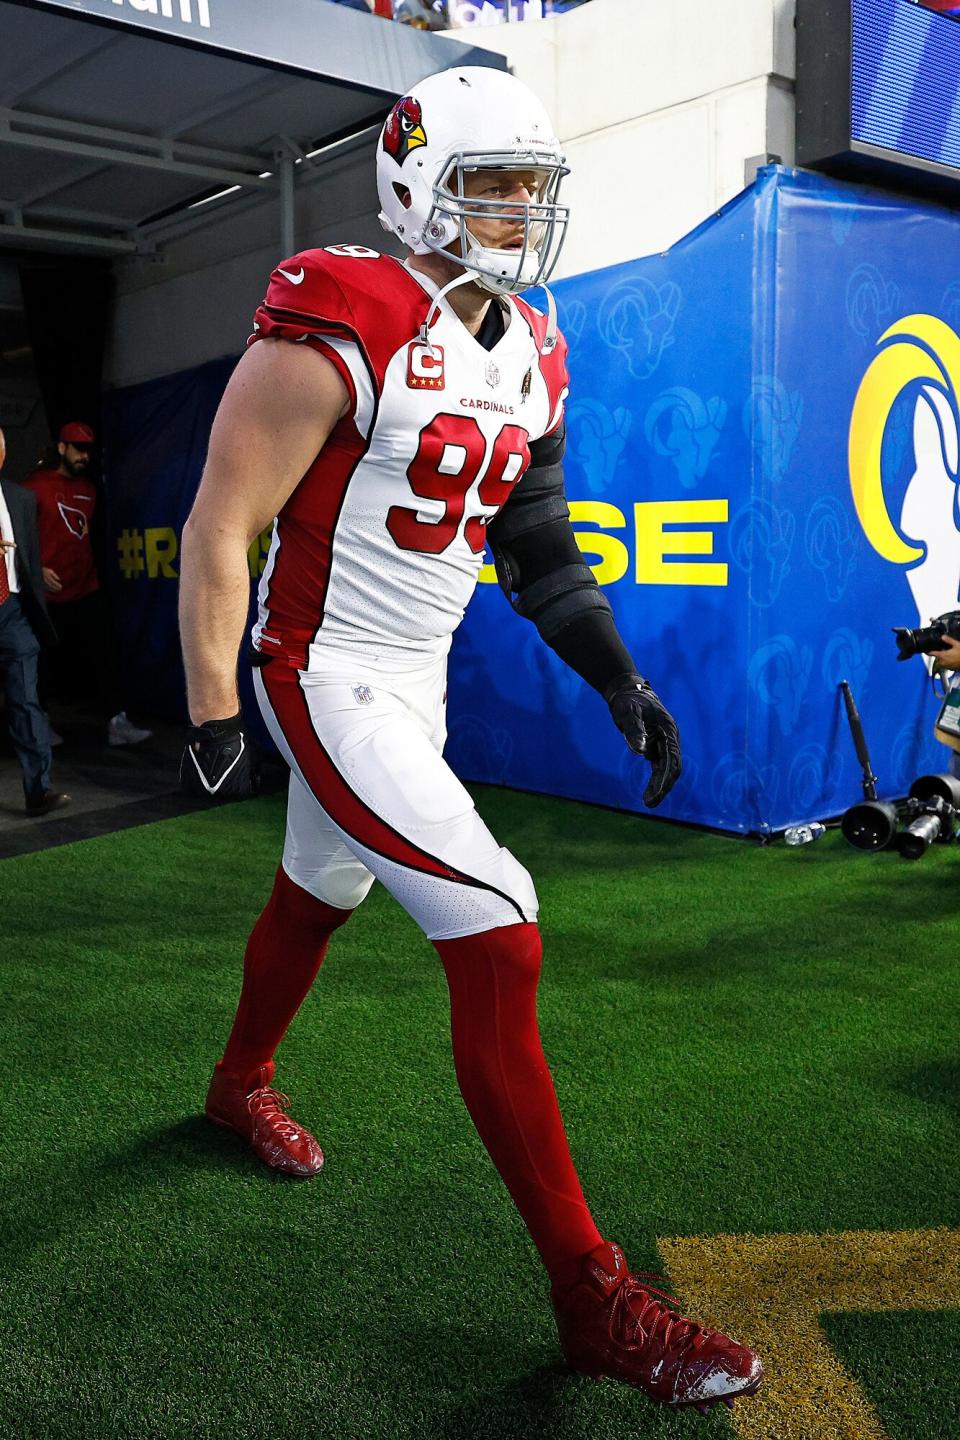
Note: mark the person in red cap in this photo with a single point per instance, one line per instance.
(66, 501)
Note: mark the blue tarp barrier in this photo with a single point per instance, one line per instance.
(713, 390)
(155, 445)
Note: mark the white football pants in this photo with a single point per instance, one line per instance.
(371, 797)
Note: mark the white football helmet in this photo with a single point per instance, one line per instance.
(472, 118)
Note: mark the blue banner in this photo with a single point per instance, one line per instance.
(155, 446)
(762, 468)
(712, 395)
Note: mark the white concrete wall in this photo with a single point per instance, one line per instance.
(659, 106)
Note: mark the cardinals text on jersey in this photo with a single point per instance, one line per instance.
(378, 549)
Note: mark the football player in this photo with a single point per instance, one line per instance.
(390, 418)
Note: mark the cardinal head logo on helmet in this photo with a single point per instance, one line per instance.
(404, 130)
(480, 120)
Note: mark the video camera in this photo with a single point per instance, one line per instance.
(921, 642)
(930, 812)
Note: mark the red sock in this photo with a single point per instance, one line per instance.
(507, 1088)
(282, 958)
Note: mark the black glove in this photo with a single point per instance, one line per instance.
(220, 762)
(649, 729)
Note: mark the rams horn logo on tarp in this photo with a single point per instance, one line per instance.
(403, 131)
(919, 355)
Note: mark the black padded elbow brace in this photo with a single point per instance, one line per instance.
(559, 598)
(537, 558)
(531, 535)
(574, 617)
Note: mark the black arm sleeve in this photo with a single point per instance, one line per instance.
(539, 562)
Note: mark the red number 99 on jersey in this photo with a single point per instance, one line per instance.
(449, 460)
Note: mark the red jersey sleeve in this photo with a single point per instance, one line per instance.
(306, 303)
(553, 365)
(351, 304)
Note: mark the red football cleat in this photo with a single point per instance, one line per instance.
(257, 1112)
(613, 1326)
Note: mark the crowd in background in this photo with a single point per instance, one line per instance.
(460, 14)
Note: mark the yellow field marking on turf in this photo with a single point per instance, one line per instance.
(770, 1291)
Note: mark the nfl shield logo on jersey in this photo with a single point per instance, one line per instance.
(425, 366)
(362, 694)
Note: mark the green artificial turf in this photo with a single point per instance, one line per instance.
(743, 1040)
(905, 1363)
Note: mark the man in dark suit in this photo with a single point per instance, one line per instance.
(24, 629)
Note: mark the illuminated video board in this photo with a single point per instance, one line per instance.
(878, 90)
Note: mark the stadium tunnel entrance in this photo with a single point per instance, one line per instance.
(127, 125)
(158, 146)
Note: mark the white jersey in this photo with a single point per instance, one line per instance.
(378, 549)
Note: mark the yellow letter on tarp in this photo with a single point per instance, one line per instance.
(161, 547)
(614, 558)
(257, 552)
(614, 561)
(654, 542)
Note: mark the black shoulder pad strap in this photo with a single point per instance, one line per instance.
(538, 500)
(549, 449)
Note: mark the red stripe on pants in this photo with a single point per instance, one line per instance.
(344, 807)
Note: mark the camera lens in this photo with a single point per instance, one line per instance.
(906, 643)
(918, 837)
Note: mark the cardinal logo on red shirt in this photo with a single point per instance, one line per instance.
(404, 130)
(75, 520)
